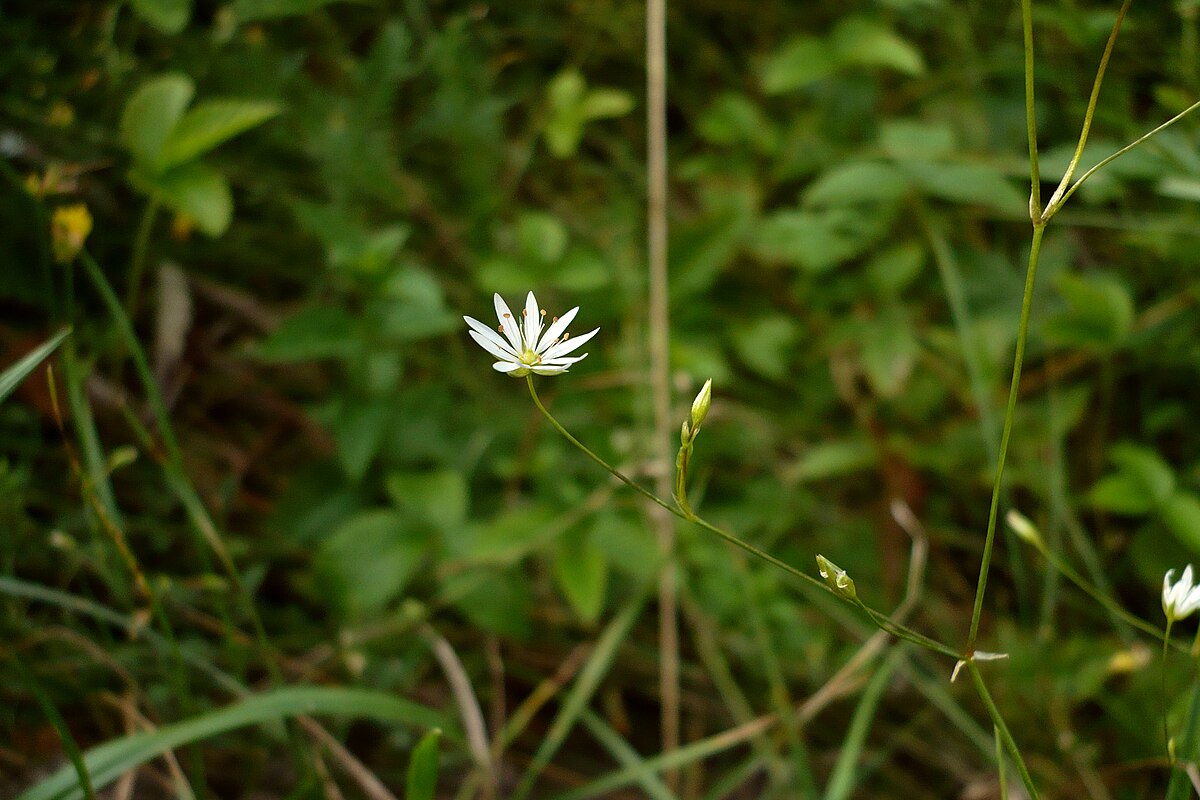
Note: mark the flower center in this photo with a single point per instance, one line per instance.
(530, 358)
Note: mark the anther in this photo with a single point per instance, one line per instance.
(508, 316)
(544, 313)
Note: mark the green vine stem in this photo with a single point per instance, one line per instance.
(880, 620)
(1010, 744)
(1009, 414)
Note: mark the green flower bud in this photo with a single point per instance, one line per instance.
(685, 435)
(700, 405)
(836, 578)
(1023, 528)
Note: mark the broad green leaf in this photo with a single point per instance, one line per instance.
(439, 498)
(961, 182)
(734, 118)
(1120, 494)
(566, 90)
(892, 270)
(1181, 514)
(888, 348)
(11, 378)
(108, 761)
(421, 783)
(1100, 312)
(209, 124)
(196, 191)
(1147, 467)
(541, 237)
(627, 544)
(766, 345)
(916, 140)
(581, 569)
(605, 103)
(815, 241)
(801, 61)
(512, 535)
(368, 560)
(499, 602)
(313, 333)
(581, 270)
(860, 41)
(857, 182)
(168, 16)
(358, 432)
(151, 114)
(833, 460)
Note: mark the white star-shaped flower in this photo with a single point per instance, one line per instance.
(525, 347)
(1183, 598)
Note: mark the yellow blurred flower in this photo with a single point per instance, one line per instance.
(69, 229)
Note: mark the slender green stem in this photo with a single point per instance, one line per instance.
(1162, 679)
(1125, 150)
(1009, 414)
(1010, 744)
(1035, 172)
(880, 620)
(1058, 196)
(137, 261)
(1000, 763)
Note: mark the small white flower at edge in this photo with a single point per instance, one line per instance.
(1182, 599)
(524, 347)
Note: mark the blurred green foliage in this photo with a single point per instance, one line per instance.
(342, 181)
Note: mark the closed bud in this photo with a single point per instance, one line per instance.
(836, 578)
(685, 435)
(700, 405)
(1023, 528)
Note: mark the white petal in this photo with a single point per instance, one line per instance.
(1185, 580)
(561, 361)
(509, 323)
(568, 345)
(533, 322)
(505, 366)
(557, 327)
(543, 369)
(490, 335)
(492, 347)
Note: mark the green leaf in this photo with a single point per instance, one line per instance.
(368, 560)
(814, 241)
(857, 182)
(1181, 514)
(892, 270)
(499, 602)
(860, 41)
(423, 768)
(196, 191)
(1147, 467)
(733, 118)
(512, 535)
(542, 237)
(151, 114)
(802, 60)
(11, 378)
(888, 348)
(1100, 312)
(310, 334)
(605, 104)
(1120, 494)
(581, 569)
(108, 761)
(439, 498)
(209, 124)
(358, 431)
(981, 184)
(168, 16)
(625, 544)
(916, 140)
(766, 345)
(833, 460)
